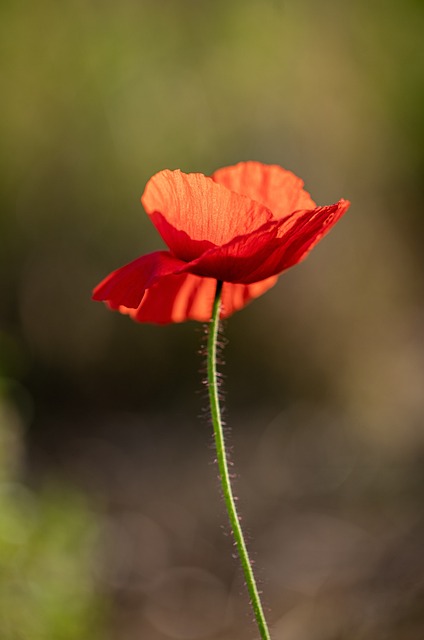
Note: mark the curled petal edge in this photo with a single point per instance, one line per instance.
(271, 249)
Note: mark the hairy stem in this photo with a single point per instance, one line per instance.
(224, 471)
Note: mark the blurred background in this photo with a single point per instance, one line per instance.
(111, 523)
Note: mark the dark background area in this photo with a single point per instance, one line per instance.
(111, 525)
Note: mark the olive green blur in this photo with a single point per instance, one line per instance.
(110, 514)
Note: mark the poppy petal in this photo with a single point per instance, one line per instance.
(177, 298)
(274, 247)
(276, 188)
(126, 286)
(193, 213)
(236, 296)
(298, 235)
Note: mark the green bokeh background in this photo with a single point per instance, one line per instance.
(324, 374)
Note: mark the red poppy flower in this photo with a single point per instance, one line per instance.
(244, 225)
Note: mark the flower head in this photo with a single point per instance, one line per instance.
(243, 225)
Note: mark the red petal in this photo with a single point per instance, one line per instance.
(236, 296)
(175, 299)
(274, 247)
(189, 297)
(299, 234)
(126, 286)
(277, 189)
(193, 213)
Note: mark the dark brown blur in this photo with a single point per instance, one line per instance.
(111, 522)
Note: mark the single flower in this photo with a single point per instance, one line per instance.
(243, 225)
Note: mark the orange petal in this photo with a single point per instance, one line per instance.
(277, 189)
(193, 213)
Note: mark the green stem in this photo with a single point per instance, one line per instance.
(224, 471)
